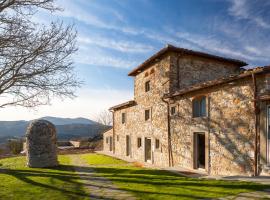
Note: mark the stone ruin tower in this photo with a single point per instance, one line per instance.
(41, 148)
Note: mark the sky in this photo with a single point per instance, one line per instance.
(114, 36)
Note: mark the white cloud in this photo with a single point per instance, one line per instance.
(88, 104)
(73, 10)
(119, 45)
(94, 56)
(244, 9)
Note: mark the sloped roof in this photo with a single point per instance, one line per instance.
(172, 48)
(123, 105)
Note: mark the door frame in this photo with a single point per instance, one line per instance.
(128, 145)
(195, 150)
(110, 143)
(147, 160)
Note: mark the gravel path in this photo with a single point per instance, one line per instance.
(98, 187)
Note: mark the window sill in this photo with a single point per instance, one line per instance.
(204, 117)
(199, 119)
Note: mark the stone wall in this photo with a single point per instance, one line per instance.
(188, 70)
(229, 127)
(136, 126)
(106, 140)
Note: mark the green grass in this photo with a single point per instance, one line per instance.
(23, 183)
(98, 159)
(159, 184)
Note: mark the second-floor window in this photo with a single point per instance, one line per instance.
(147, 115)
(199, 107)
(139, 142)
(173, 110)
(123, 118)
(147, 86)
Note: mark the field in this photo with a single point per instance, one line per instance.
(20, 182)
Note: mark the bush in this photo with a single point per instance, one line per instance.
(15, 146)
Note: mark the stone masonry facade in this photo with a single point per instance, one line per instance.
(226, 133)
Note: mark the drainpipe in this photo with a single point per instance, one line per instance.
(113, 134)
(169, 132)
(256, 110)
(178, 72)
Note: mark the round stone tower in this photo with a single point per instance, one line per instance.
(41, 147)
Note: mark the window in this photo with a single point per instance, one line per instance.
(147, 86)
(157, 143)
(139, 142)
(199, 107)
(107, 140)
(147, 115)
(173, 110)
(117, 138)
(123, 118)
(146, 74)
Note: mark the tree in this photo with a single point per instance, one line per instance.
(15, 146)
(35, 59)
(105, 118)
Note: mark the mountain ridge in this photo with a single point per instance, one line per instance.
(67, 128)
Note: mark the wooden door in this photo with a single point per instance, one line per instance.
(147, 146)
(128, 147)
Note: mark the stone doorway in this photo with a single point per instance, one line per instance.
(111, 143)
(128, 146)
(199, 151)
(147, 149)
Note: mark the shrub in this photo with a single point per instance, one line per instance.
(15, 146)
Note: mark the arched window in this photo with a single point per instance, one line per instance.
(199, 107)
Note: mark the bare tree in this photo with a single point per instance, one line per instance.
(105, 118)
(35, 59)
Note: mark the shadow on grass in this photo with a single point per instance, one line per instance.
(63, 173)
(139, 181)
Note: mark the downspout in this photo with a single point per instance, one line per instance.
(256, 110)
(113, 134)
(178, 72)
(169, 132)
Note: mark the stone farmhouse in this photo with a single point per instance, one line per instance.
(196, 111)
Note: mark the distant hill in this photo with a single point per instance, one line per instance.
(67, 128)
(65, 121)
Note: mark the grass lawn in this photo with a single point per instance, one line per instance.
(20, 182)
(158, 184)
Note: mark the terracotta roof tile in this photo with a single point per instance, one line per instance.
(123, 105)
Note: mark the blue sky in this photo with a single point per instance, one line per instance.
(115, 36)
